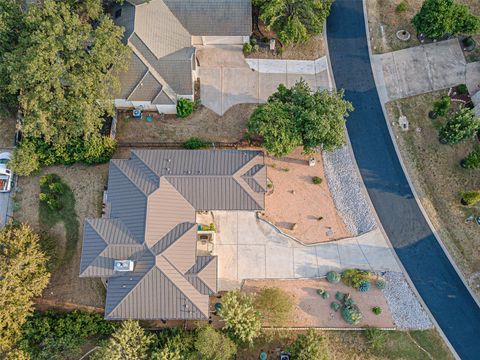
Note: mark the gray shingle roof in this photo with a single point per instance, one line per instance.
(214, 17)
(153, 197)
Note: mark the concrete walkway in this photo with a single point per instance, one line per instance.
(420, 69)
(226, 79)
(249, 248)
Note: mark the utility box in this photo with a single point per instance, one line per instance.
(123, 265)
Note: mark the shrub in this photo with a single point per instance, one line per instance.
(241, 318)
(335, 306)
(317, 180)
(274, 304)
(184, 107)
(98, 149)
(380, 283)
(462, 89)
(195, 143)
(472, 161)
(247, 48)
(354, 277)
(339, 296)
(213, 345)
(25, 159)
(461, 126)
(311, 346)
(442, 105)
(352, 314)
(377, 310)
(364, 286)
(348, 300)
(402, 7)
(333, 277)
(470, 197)
(325, 295)
(376, 338)
(52, 188)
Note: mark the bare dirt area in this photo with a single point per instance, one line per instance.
(87, 184)
(310, 50)
(384, 21)
(438, 178)
(202, 123)
(7, 130)
(311, 310)
(296, 205)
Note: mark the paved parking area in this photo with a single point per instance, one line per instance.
(226, 79)
(248, 248)
(420, 69)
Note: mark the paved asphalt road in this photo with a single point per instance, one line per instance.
(448, 299)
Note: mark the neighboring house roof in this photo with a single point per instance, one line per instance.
(153, 198)
(159, 34)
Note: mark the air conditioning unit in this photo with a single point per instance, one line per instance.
(123, 265)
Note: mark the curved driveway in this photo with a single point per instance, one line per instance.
(435, 278)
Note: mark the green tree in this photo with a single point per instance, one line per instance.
(310, 346)
(25, 159)
(461, 126)
(24, 275)
(174, 344)
(296, 116)
(437, 18)
(63, 71)
(17, 354)
(294, 21)
(241, 319)
(211, 344)
(129, 342)
(275, 305)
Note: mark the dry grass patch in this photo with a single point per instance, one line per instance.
(7, 130)
(86, 184)
(202, 123)
(438, 178)
(384, 21)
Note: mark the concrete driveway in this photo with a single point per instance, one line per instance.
(420, 69)
(226, 79)
(249, 248)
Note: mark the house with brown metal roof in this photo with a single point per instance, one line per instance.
(162, 35)
(145, 245)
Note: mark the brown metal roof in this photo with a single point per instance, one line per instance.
(153, 197)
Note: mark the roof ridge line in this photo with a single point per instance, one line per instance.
(114, 162)
(168, 247)
(138, 84)
(101, 252)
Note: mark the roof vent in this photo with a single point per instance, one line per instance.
(123, 265)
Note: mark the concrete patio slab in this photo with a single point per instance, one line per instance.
(473, 78)
(421, 69)
(211, 88)
(279, 262)
(239, 86)
(251, 261)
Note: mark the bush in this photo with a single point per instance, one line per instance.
(463, 125)
(472, 161)
(274, 304)
(348, 300)
(25, 159)
(195, 143)
(247, 48)
(333, 277)
(364, 286)
(355, 277)
(462, 88)
(470, 197)
(335, 306)
(311, 346)
(241, 318)
(376, 338)
(184, 107)
(402, 7)
(325, 295)
(52, 188)
(352, 314)
(380, 283)
(213, 345)
(442, 106)
(98, 150)
(339, 296)
(377, 310)
(317, 180)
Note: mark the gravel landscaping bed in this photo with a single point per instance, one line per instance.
(407, 312)
(346, 190)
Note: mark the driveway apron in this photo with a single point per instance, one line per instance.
(440, 286)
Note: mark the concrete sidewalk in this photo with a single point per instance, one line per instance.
(419, 69)
(226, 78)
(249, 248)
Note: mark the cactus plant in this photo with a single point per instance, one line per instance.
(335, 306)
(325, 295)
(364, 286)
(380, 283)
(352, 314)
(377, 310)
(339, 296)
(333, 277)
